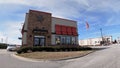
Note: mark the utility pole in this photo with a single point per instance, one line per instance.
(101, 36)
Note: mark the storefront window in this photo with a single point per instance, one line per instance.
(36, 41)
(57, 40)
(63, 40)
(73, 40)
(68, 40)
(39, 41)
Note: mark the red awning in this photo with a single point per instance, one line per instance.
(74, 31)
(64, 30)
(58, 32)
(58, 29)
(69, 30)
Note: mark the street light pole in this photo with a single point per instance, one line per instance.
(101, 35)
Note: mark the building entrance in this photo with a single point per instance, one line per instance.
(39, 40)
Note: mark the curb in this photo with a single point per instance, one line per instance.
(41, 60)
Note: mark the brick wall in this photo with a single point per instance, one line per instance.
(35, 22)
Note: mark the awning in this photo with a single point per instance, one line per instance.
(58, 29)
(74, 31)
(69, 31)
(64, 30)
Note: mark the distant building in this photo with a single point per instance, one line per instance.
(96, 41)
(118, 40)
(41, 29)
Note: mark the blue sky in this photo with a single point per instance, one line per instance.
(103, 14)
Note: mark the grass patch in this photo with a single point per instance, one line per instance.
(54, 55)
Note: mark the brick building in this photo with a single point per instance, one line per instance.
(41, 29)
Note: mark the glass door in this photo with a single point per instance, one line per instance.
(39, 40)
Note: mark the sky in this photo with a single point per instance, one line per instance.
(103, 14)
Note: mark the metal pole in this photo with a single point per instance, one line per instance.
(101, 35)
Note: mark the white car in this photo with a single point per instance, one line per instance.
(11, 47)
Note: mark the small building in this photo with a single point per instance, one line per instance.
(118, 40)
(96, 41)
(41, 29)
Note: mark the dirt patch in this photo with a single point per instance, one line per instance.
(54, 55)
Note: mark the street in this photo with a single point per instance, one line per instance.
(108, 57)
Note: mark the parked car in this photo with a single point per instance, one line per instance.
(11, 47)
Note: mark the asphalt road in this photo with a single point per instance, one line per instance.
(109, 57)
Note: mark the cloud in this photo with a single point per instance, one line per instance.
(71, 8)
(11, 31)
(60, 8)
(96, 12)
(104, 5)
(114, 20)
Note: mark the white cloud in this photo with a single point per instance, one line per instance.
(11, 31)
(59, 8)
(71, 8)
(113, 21)
(13, 2)
(104, 5)
(58, 4)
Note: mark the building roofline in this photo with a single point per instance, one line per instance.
(65, 19)
(52, 16)
(39, 11)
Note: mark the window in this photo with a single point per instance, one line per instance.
(68, 40)
(36, 41)
(58, 40)
(73, 40)
(39, 41)
(63, 40)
